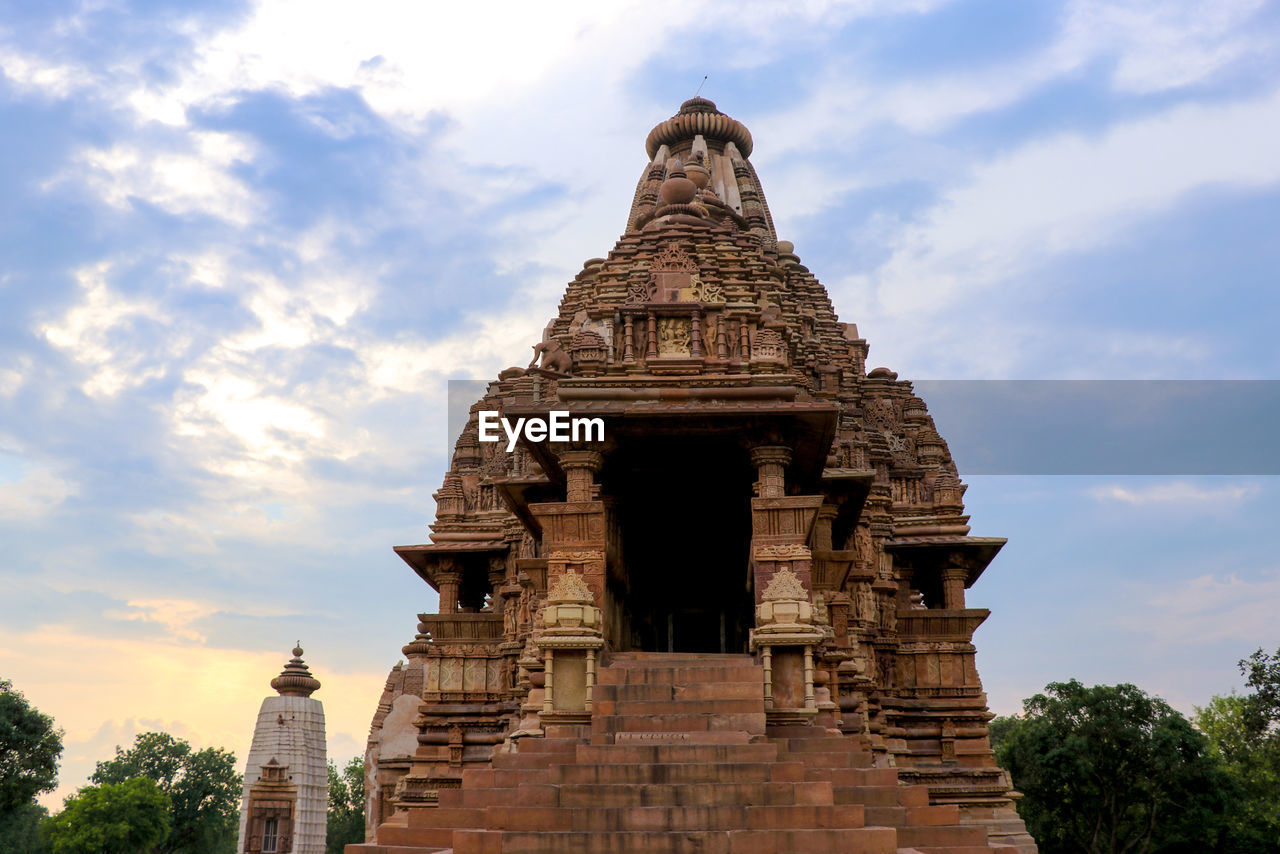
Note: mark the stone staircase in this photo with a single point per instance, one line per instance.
(678, 758)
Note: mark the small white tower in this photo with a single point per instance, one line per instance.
(286, 779)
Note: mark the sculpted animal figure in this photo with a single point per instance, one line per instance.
(554, 358)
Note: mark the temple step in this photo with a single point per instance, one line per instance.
(867, 840)
(678, 757)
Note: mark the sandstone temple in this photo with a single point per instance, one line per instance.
(737, 624)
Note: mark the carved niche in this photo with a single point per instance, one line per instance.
(674, 336)
(673, 276)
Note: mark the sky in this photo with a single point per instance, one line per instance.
(243, 247)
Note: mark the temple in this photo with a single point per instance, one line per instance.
(736, 624)
(286, 778)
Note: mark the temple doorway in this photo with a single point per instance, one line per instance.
(684, 514)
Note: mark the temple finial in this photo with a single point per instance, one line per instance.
(295, 680)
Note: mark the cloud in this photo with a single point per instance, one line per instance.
(185, 182)
(176, 615)
(34, 76)
(1176, 492)
(90, 333)
(1071, 193)
(206, 694)
(1161, 45)
(33, 493)
(1210, 608)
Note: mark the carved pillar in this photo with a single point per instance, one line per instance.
(780, 523)
(695, 335)
(497, 575)
(628, 339)
(651, 337)
(906, 574)
(771, 463)
(580, 468)
(822, 527)
(953, 579)
(449, 579)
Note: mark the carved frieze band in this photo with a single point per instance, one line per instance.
(782, 551)
(575, 557)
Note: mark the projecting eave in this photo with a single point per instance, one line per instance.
(971, 553)
(809, 425)
(426, 559)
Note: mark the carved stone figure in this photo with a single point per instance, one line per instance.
(673, 336)
(553, 356)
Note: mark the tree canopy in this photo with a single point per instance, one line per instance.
(346, 805)
(1243, 731)
(1111, 770)
(131, 817)
(29, 749)
(202, 786)
(20, 832)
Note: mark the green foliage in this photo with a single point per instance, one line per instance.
(29, 750)
(1243, 732)
(1262, 707)
(346, 805)
(20, 831)
(202, 785)
(115, 818)
(999, 729)
(1111, 770)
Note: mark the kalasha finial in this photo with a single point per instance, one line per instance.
(295, 680)
(699, 116)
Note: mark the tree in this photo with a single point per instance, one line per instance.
(202, 785)
(115, 818)
(29, 749)
(1111, 770)
(1262, 707)
(20, 832)
(346, 805)
(999, 729)
(1245, 734)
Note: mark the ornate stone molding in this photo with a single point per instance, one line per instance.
(784, 551)
(785, 584)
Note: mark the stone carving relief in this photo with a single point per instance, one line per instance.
(524, 609)
(570, 587)
(576, 555)
(674, 336)
(783, 551)
(637, 293)
(880, 415)
(900, 447)
(768, 346)
(866, 604)
(450, 674)
(785, 584)
(553, 356)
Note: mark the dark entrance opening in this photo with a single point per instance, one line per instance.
(684, 513)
